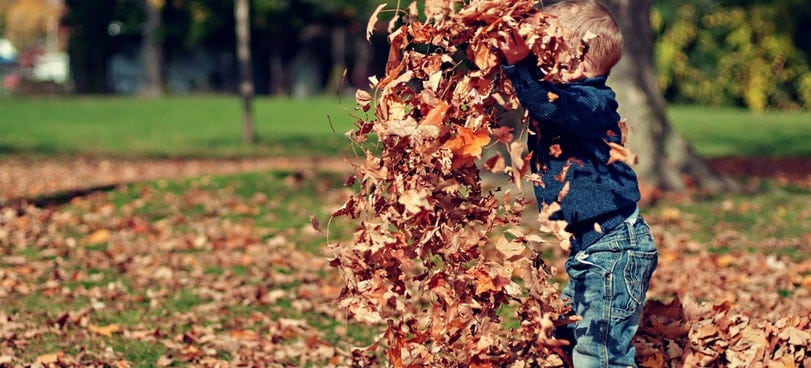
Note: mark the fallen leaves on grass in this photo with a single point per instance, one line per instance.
(187, 277)
(191, 281)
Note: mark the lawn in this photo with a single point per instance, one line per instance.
(230, 270)
(199, 126)
(733, 132)
(210, 126)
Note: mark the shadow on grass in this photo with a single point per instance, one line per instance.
(56, 199)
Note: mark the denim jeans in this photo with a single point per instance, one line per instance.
(607, 285)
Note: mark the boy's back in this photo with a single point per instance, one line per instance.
(612, 253)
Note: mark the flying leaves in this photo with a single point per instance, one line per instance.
(427, 264)
(436, 259)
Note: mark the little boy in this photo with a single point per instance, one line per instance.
(612, 252)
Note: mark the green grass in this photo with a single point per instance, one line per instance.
(198, 126)
(211, 126)
(726, 132)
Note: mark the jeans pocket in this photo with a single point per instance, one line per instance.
(630, 289)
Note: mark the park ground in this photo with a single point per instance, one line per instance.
(116, 260)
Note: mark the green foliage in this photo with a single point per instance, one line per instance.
(712, 54)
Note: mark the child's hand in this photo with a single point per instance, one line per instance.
(514, 48)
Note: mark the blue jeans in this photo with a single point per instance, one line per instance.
(607, 285)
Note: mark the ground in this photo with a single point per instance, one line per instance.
(754, 296)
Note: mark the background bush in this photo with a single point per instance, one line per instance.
(740, 53)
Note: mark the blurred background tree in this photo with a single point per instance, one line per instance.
(752, 53)
(733, 52)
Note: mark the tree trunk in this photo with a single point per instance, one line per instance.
(151, 52)
(666, 161)
(277, 74)
(336, 75)
(243, 29)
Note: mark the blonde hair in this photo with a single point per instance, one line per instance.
(578, 17)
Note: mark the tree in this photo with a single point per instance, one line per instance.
(90, 44)
(727, 52)
(242, 17)
(668, 162)
(151, 50)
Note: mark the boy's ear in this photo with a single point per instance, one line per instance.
(581, 72)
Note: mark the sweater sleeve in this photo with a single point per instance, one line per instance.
(579, 110)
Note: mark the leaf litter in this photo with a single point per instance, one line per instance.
(201, 283)
(209, 287)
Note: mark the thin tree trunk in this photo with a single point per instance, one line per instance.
(363, 57)
(242, 14)
(667, 161)
(277, 75)
(151, 52)
(336, 76)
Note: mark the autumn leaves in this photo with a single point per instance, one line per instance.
(436, 260)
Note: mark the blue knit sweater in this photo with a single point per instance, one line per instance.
(577, 123)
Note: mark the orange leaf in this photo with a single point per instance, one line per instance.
(654, 360)
(483, 57)
(468, 143)
(106, 331)
(563, 191)
(486, 283)
(619, 153)
(437, 115)
(98, 236)
(503, 134)
(245, 335)
(807, 282)
(51, 358)
(555, 151)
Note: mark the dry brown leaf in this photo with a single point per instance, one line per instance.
(51, 358)
(96, 237)
(370, 26)
(106, 331)
(620, 153)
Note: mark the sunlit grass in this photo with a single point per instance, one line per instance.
(211, 126)
(735, 132)
(198, 126)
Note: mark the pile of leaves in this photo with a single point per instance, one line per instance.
(718, 335)
(439, 263)
(754, 301)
